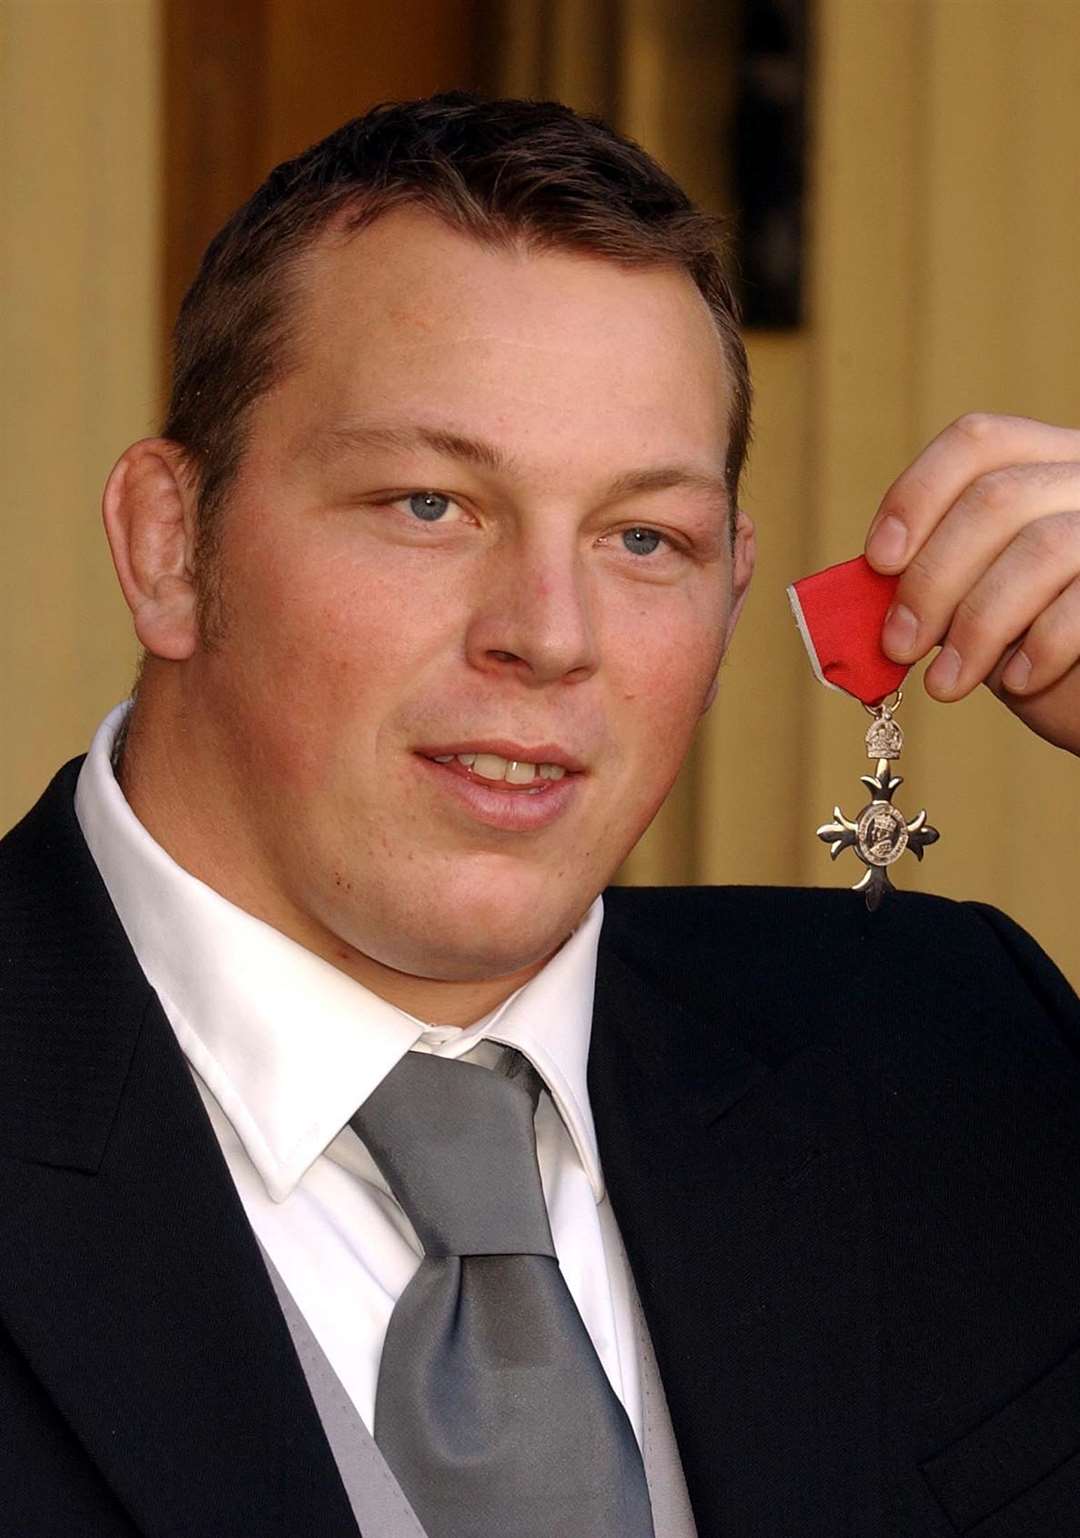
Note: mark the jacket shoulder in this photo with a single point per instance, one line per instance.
(787, 963)
(26, 846)
(72, 995)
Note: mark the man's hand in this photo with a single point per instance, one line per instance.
(985, 527)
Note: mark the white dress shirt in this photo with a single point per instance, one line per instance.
(284, 1048)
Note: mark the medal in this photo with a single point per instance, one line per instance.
(840, 613)
(880, 833)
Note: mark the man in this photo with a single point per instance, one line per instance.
(434, 566)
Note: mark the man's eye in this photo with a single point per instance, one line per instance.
(429, 506)
(641, 541)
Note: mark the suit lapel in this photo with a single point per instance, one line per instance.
(743, 1200)
(131, 1280)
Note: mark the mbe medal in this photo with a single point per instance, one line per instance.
(840, 613)
(880, 833)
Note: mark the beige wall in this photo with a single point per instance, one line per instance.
(946, 248)
(79, 346)
(949, 237)
(946, 223)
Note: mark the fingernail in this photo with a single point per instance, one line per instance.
(1017, 673)
(888, 543)
(901, 629)
(946, 669)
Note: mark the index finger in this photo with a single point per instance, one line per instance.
(973, 445)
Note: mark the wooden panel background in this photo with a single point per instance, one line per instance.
(252, 82)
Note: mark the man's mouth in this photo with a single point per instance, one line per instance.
(513, 770)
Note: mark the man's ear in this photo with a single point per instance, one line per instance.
(743, 556)
(149, 512)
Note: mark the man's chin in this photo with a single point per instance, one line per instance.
(479, 960)
(476, 944)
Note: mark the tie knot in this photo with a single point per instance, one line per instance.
(457, 1147)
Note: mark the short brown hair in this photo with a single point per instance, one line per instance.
(503, 171)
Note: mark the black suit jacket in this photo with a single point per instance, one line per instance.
(842, 1149)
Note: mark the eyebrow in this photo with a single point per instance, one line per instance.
(488, 456)
(452, 445)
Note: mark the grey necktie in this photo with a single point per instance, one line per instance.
(492, 1407)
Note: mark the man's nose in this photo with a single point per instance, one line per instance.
(532, 615)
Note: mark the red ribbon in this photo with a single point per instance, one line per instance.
(840, 612)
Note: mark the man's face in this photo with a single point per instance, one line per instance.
(481, 521)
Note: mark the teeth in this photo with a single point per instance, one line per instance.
(520, 774)
(490, 766)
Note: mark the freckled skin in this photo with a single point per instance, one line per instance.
(355, 634)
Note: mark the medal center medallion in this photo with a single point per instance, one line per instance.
(881, 833)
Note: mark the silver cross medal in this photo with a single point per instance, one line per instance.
(880, 833)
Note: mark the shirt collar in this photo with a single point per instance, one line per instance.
(288, 1045)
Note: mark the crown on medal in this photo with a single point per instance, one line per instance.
(884, 739)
